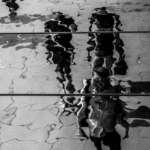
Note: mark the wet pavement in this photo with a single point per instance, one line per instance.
(77, 63)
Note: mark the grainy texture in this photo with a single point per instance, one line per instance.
(40, 123)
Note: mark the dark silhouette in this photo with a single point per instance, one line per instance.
(62, 56)
(106, 43)
(105, 111)
(111, 139)
(102, 114)
(61, 52)
(13, 6)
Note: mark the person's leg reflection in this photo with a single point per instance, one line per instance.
(113, 140)
(97, 142)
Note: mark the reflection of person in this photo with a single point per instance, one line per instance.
(101, 108)
(62, 56)
(105, 44)
(13, 6)
(104, 20)
(104, 114)
(111, 139)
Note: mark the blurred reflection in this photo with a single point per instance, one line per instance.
(105, 44)
(59, 48)
(112, 139)
(13, 6)
(60, 51)
(101, 114)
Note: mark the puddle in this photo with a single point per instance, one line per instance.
(90, 63)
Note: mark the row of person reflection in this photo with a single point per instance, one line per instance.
(100, 113)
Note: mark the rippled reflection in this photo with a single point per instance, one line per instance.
(13, 6)
(99, 114)
(94, 63)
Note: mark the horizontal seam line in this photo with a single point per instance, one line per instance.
(103, 32)
(102, 94)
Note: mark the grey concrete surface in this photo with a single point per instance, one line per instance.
(36, 123)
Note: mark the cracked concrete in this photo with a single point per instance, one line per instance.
(38, 123)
